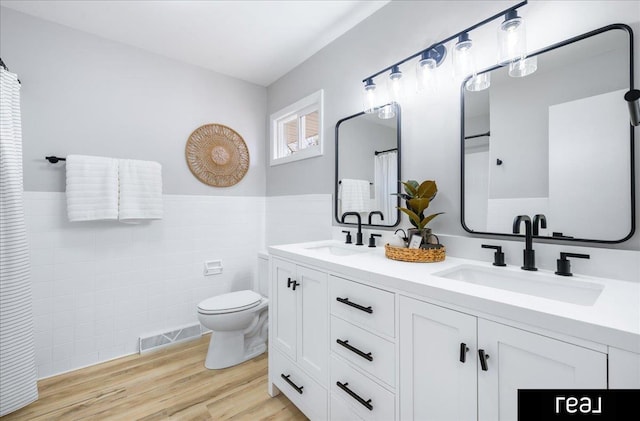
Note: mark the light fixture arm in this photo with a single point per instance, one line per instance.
(452, 37)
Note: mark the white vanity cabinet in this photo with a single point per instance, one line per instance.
(299, 335)
(624, 369)
(442, 375)
(363, 351)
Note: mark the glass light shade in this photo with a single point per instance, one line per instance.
(512, 40)
(395, 85)
(387, 112)
(523, 67)
(479, 82)
(463, 61)
(369, 97)
(426, 75)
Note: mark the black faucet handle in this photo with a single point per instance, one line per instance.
(348, 239)
(372, 239)
(564, 265)
(498, 256)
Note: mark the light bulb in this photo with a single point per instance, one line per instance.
(369, 97)
(512, 39)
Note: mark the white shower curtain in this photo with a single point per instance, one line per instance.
(18, 377)
(386, 182)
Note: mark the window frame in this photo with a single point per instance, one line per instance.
(278, 144)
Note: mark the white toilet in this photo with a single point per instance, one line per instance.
(238, 321)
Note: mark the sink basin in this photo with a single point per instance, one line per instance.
(337, 250)
(557, 288)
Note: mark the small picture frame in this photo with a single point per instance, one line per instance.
(415, 241)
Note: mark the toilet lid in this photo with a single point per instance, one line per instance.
(231, 302)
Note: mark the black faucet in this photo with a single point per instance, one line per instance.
(375, 213)
(359, 234)
(539, 221)
(528, 252)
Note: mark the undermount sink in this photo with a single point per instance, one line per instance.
(337, 250)
(557, 288)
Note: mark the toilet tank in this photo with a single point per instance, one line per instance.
(263, 274)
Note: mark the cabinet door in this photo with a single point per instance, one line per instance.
(525, 360)
(313, 321)
(434, 383)
(284, 305)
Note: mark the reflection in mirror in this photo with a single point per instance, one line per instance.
(368, 167)
(556, 142)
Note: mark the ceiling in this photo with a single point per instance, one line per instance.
(254, 40)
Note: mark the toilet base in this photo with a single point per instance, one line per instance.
(227, 349)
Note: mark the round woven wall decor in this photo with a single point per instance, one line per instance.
(217, 155)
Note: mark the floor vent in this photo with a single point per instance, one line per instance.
(161, 340)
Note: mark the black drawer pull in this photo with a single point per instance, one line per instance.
(366, 356)
(483, 359)
(295, 284)
(354, 305)
(354, 395)
(289, 282)
(292, 384)
(463, 352)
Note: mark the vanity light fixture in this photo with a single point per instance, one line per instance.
(426, 74)
(369, 96)
(512, 38)
(462, 56)
(463, 61)
(394, 84)
(387, 111)
(523, 67)
(478, 82)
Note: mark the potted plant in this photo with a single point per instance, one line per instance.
(418, 197)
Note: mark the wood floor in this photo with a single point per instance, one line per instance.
(171, 384)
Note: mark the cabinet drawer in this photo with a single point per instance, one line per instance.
(379, 354)
(365, 306)
(304, 392)
(363, 396)
(340, 411)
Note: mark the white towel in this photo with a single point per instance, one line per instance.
(354, 195)
(92, 188)
(140, 190)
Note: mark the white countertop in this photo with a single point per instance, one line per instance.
(614, 319)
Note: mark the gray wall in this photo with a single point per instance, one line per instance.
(82, 94)
(430, 124)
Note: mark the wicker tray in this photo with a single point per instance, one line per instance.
(415, 255)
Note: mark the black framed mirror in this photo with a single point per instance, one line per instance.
(368, 167)
(557, 142)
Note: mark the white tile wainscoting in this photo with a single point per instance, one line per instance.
(98, 286)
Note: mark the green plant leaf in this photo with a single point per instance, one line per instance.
(411, 187)
(413, 218)
(418, 205)
(427, 189)
(428, 219)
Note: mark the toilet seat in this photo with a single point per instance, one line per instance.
(230, 303)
